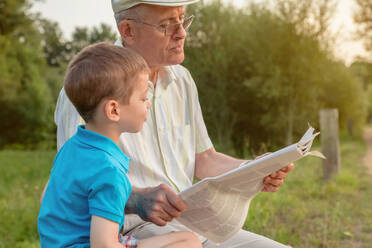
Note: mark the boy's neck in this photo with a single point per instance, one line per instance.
(105, 130)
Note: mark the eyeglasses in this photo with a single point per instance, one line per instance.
(169, 29)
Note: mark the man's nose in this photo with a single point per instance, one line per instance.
(180, 32)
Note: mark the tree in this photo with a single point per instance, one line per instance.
(24, 95)
(12, 16)
(341, 89)
(311, 17)
(363, 17)
(82, 37)
(362, 70)
(210, 56)
(58, 51)
(262, 72)
(53, 42)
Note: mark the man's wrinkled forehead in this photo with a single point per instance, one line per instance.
(160, 13)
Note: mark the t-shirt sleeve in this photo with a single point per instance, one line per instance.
(109, 194)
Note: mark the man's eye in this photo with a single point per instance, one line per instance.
(163, 25)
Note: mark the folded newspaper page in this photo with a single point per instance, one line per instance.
(218, 206)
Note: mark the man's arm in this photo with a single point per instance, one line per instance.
(211, 163)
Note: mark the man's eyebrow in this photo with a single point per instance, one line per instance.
(171, 18)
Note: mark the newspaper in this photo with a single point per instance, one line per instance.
(218, 206)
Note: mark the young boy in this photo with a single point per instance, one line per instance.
(84, 201)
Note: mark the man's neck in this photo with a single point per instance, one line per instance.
(153, 77)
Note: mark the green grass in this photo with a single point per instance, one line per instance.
(23, 175)
(309, 212)
(305, 212)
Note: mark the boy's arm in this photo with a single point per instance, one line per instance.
(104, 233)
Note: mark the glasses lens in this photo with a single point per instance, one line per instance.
(173, 28)
(187, 23)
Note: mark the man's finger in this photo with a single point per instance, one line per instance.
(273, 181)
(287, 168)
(171, 211)
(278, 175)
(270, 188)
(282, 173)
(176, 201)
(158, 221)
(165, 216)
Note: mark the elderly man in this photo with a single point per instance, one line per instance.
(173, 146)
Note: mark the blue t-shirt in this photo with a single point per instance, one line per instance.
(88, 178)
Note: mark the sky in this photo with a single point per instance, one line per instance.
(77, 13)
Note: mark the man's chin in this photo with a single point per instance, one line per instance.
(175, 60)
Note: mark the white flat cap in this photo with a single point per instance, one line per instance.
(119, 5)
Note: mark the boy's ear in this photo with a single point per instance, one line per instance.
(112, 110)
(126, 30)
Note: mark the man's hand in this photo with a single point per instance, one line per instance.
(273, 181)
(158, 205)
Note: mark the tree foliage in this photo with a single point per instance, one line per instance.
(363, 72)
(363, 17)
(263, 73)
(24, 95)
(59, 51)
(33, 58)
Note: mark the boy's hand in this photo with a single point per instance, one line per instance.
(158, 204)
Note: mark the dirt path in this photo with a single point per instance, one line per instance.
(367, 160)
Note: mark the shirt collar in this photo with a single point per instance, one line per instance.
(103, 143)
(119, 42)
(166, 76)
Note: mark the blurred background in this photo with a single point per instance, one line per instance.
(264, 70)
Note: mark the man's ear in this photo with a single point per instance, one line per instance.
(127, 32)
(112, 110)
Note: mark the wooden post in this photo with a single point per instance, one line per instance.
(330, 142)
(350, 127)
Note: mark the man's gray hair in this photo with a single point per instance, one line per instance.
(126, 14)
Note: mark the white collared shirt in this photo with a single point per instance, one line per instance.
(164, 150)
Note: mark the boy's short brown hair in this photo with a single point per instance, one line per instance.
(101, 71)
